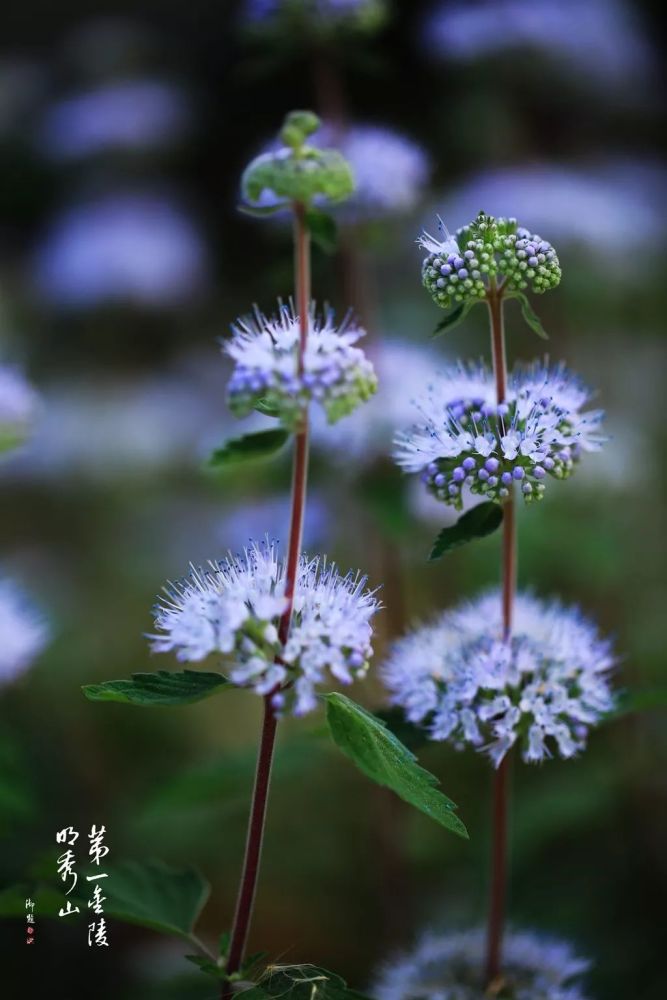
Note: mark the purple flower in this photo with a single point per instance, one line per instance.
(125, 114)
(601, 39)
(23, 632)
(234, 607)
(542, 689)
(451, 967)
(139, 248)
(541, 430)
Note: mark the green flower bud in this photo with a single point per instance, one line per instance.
(298, 172)
(297, 127)
(460, 268)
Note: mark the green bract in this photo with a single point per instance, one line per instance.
(460, 268)
(298, 172)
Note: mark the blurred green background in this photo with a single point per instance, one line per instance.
(123, 133)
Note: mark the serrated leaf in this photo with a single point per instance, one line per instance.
(478, 522)
(163, 687)
(250, 447)
(530, 316)
(208, 967)
(323, 230)
(301, 982)
(262, 211)
(381, 756)
(452, 319)
(155, 895)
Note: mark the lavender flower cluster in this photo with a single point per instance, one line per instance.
(390, 170)
(465, 441)
(458, 269)
(543, 688)
(24, 632)
(336, 373)
(233, 607)
(451, 967)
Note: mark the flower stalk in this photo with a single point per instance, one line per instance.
(256, 824)
(497, 902)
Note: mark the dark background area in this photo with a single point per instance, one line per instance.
(110, 499)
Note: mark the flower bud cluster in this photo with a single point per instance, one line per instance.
(296, 171)
(459, 269)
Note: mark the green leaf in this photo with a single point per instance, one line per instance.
(383, 758)
(478, 522)
(639, 701)
(249, 447)
(452, 319)
(208, 967)
(323, 230)
(161, 688)
(300, 982)
(267, 409)
(298, 125)
(157, 896)
(262, 211)
(530, 316)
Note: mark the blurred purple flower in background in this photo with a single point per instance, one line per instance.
(23, 632)
(403, 369)
(450, 967)
(603, 39)
(390, 170)
(105, 428)
(126, 247)
(609, 207)
(124, 114)
(270, 516)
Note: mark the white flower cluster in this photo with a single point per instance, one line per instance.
(451, 967)
(18, 403)
(234, 607)
(23, 633)
(336, 373)
(464, 439)
(543, 688)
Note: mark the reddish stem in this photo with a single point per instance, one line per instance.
(253, 850)
(497, 902)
